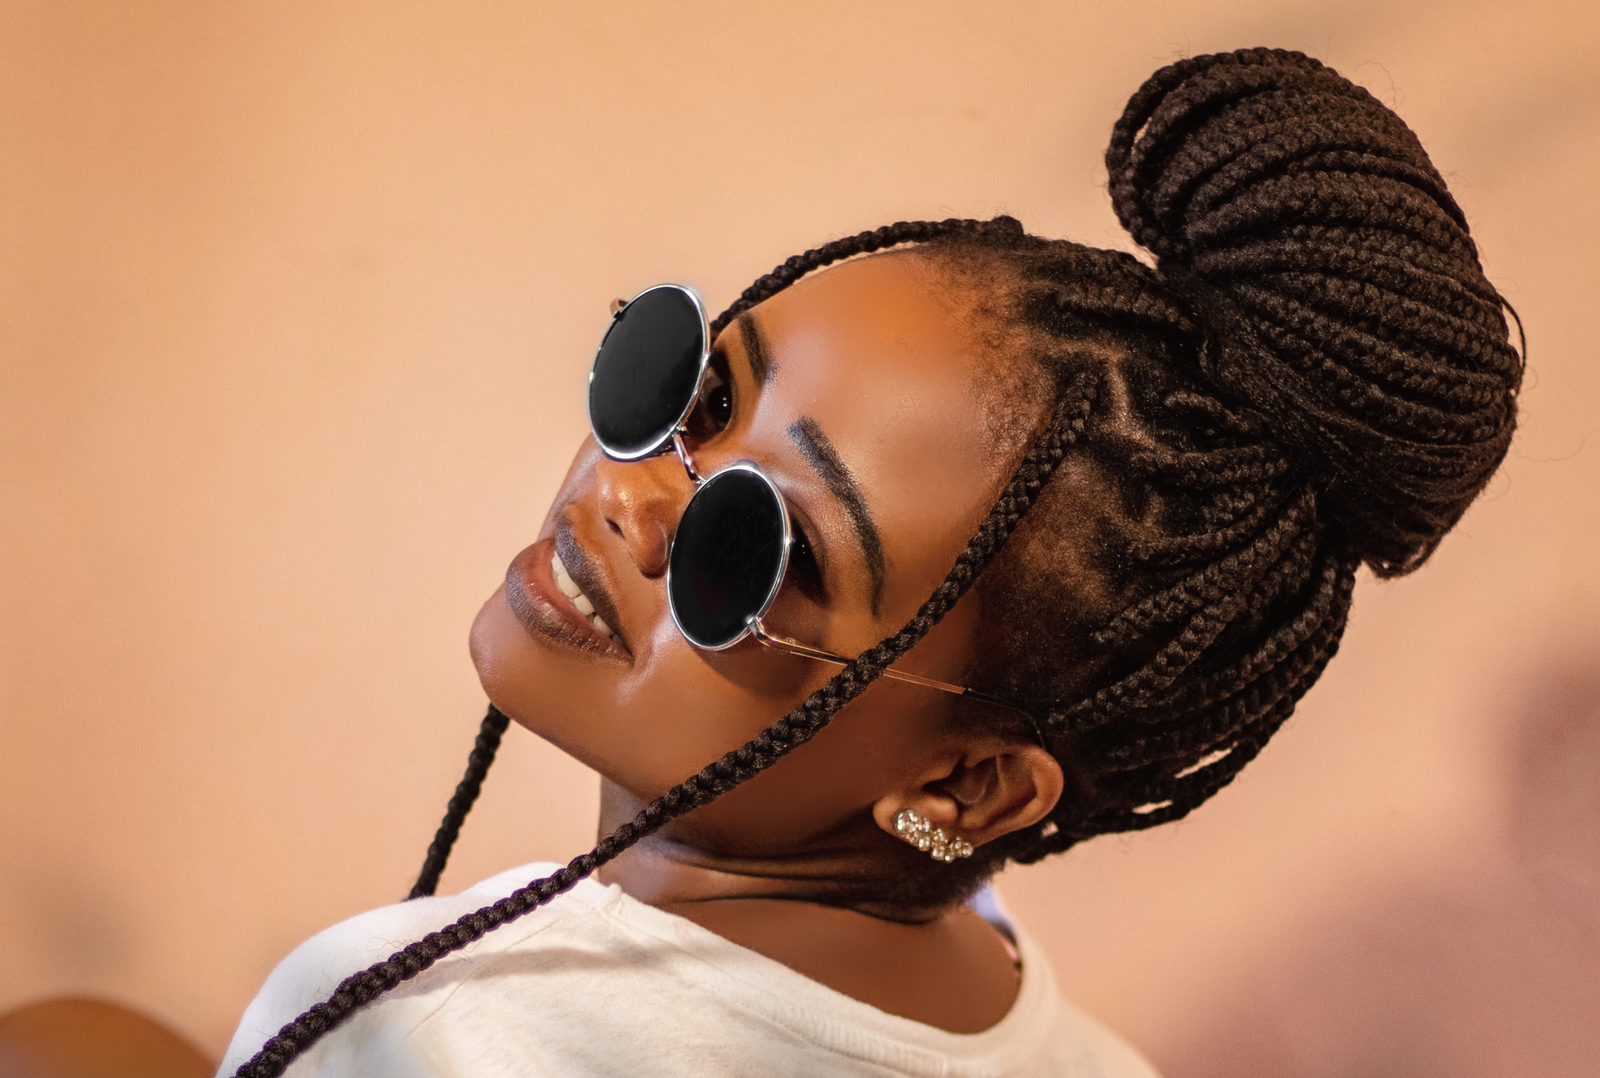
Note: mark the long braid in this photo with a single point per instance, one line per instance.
(484, 747)
(738, 766)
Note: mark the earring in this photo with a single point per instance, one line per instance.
(918, 830)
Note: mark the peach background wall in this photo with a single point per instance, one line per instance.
(295, 306)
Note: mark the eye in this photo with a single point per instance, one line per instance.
(716, 397)
(803, 565)
(801, 554)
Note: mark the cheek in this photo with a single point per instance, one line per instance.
(877, 744)
(889, 739)
(644, 727)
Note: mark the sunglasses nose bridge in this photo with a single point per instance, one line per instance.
(642, 501)
(684, 458)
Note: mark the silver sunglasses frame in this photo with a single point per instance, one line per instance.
(674, 434)
(753, 629)
(752, 625)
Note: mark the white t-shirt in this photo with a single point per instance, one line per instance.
(598, 983)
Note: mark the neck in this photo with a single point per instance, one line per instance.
(944, 967)
(664, 870)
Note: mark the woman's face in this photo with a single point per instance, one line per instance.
(865, 393)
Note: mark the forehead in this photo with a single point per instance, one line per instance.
(882, 354)
(879, 343)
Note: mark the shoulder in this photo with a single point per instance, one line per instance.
(314, 969)
(597, 983)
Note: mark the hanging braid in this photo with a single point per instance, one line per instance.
(478, 761)
(761, 752)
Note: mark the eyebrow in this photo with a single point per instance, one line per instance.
(755, 347)
(824, 459)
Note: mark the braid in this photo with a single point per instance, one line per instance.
(478, 761)
(738, 766)
(1326, 377)
(1305, 221)
(877, 239)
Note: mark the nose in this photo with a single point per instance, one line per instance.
(641, 501)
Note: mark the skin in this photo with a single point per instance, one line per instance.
(880, 356)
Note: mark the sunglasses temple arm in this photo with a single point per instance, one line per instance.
(794, 647)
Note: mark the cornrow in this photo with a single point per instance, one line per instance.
(761, 752)
(879, 239)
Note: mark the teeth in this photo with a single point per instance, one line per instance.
(563, 578)
(570, 589)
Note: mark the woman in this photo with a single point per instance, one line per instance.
(1190, 464)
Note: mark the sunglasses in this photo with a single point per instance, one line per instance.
(730, 552)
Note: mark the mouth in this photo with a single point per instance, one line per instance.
(562, 598)
(580, 602)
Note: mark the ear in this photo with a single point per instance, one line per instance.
(986, 788)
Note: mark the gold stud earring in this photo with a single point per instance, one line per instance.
(917, 829)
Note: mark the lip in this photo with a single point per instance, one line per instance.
(547, 613)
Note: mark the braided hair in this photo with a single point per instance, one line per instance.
(1320, 377)
(1315, 375)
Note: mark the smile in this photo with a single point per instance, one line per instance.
(570, 589)
(543, 592)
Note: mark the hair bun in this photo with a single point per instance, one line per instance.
(1342, 293)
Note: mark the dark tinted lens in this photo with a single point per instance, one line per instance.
(727, 557)
(646, 372)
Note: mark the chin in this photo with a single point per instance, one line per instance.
(494, 642)
(523, 679)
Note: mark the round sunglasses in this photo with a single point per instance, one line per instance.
(730, 552)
